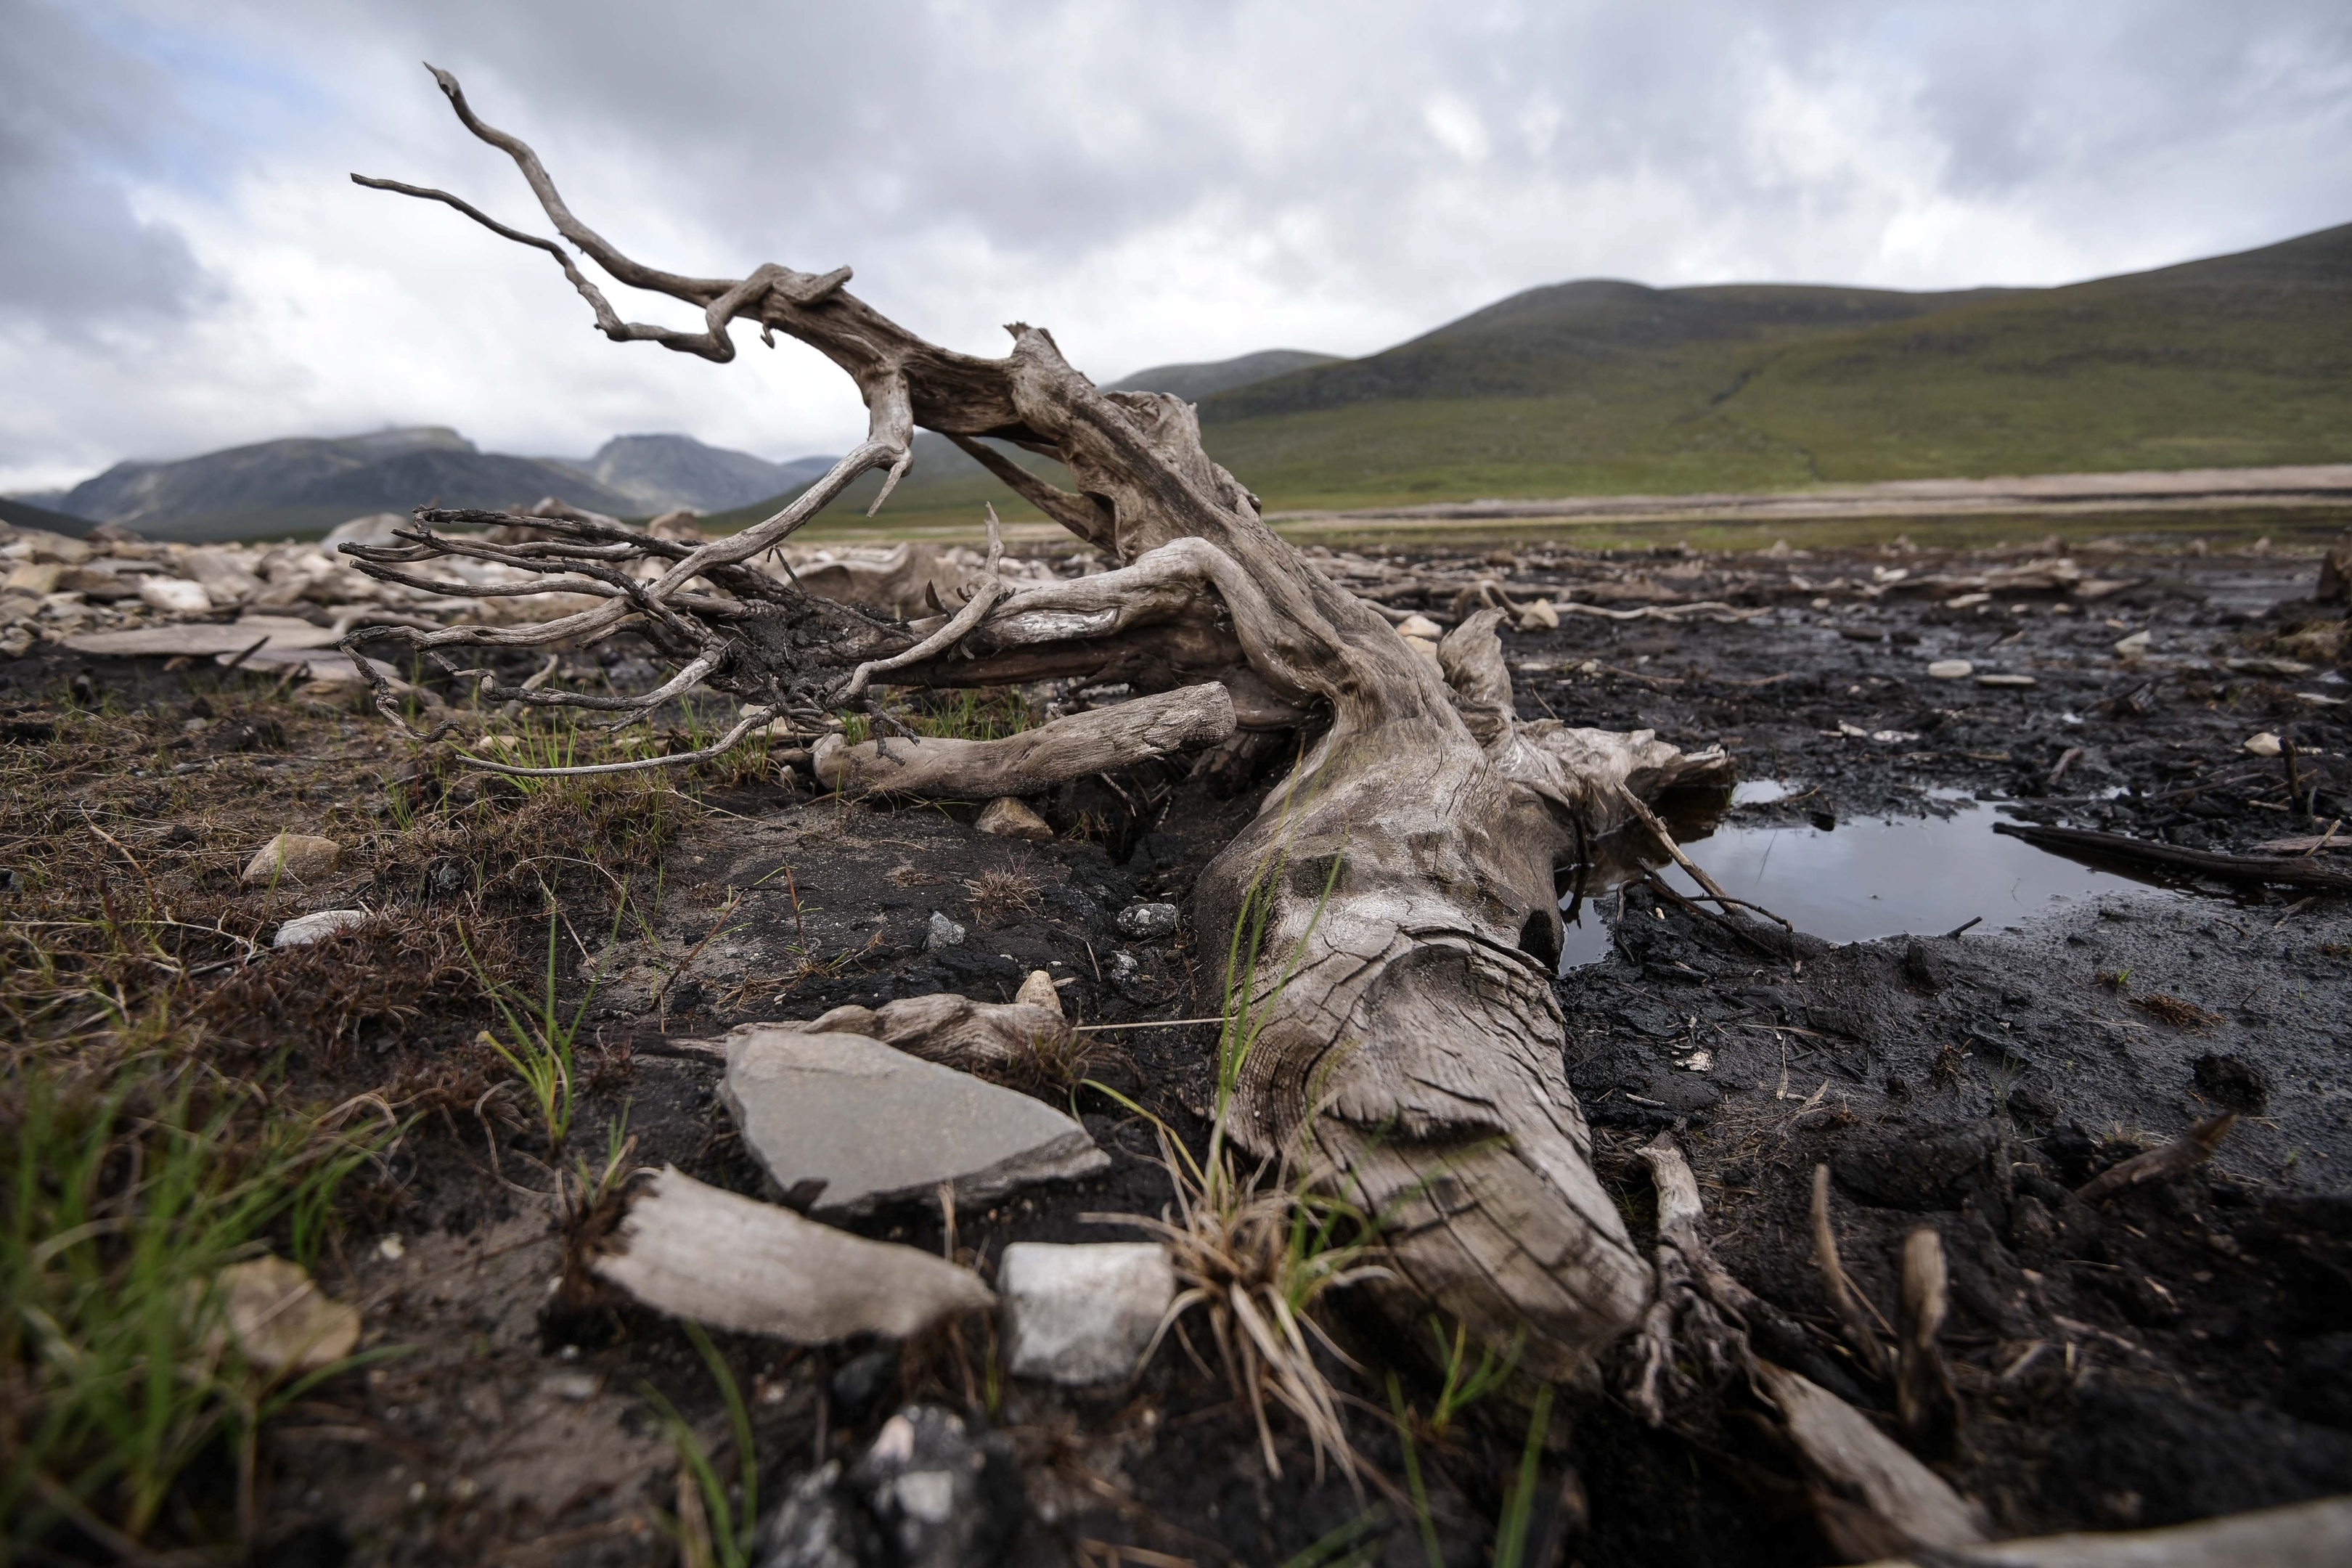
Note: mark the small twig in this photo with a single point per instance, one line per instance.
(1844, 1298)
(2190, 1149)
(258, 644)
(1962, 928)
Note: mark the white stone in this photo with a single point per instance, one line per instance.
(1950, 670)
(1420, 626)
(175, 596)
(305, 930)
(2131, 647)
(2265, 744)
(1540, 616)
(1082, 1314)
(940, 932)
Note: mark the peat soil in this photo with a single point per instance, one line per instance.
(2176, 1351)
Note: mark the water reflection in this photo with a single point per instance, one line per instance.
(1860, 880)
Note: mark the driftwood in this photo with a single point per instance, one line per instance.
(1410, 1046)
(1103, 740)
(720, 1258)
(2083, 841)
(1869, 1494)
(2308, 1535)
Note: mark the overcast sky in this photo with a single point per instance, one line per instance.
(183, 264)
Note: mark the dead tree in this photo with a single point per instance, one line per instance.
(1412, 1047)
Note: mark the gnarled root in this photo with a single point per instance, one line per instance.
(1099, 742)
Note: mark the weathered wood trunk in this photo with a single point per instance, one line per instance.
(1411, 1054)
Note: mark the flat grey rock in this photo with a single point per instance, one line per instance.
(200, 638)
(1082, 1314)
(941, 931)
(865, 1125)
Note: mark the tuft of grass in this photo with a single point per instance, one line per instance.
(712, 1530)
(1004, 894)
(536, 1042)
(1255, 1256)
(2177, 1011)
(130, 1185)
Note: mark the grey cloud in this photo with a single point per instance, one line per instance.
(77, 117)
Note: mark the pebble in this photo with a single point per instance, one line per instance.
(941, 931)
(292, 857)
(280, 1319)
(1037, 990)
(1540, 616)
(1009, 817)
(865, 1125)
(304, 930)
(2131, 647)
(1082, 1314)
(946, 1496)
(2007, 681)
(2265, 744)
(1146, 923)
(1950, 670)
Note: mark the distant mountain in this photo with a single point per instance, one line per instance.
(942, 475)
(304, 483)
(1602, 386)
(19, 512)
(1194, 381)
(659, 472)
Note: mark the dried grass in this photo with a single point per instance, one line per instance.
(1005, 894)
(2175, 1010)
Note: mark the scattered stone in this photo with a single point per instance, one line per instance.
(1540, 616)
(1148, 922)
(1037, 990)
(280, 1321)
(175, 596)
(818, 1525)
(2233, 1081)
(1950, 670)
(694, 1251)
(2007, 681)
(2131, 647)
(202, 639)
(575, 1388)
(304, 930)
(223, 580)
(331, 666)
(1008, 816)
(944, 1497)
(292, 857)
(2265, 744)
(941, 931)
(678, 524)
(1421, 628)
(876, 1126)
(1082, 1314)
(35, 577)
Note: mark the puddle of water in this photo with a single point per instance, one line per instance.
(1758, 792)
(1864, 879)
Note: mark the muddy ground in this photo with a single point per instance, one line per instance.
(2178, 1350)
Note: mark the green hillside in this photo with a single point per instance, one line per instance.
(1600, 386)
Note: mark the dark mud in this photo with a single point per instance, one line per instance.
(2177, 1351)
